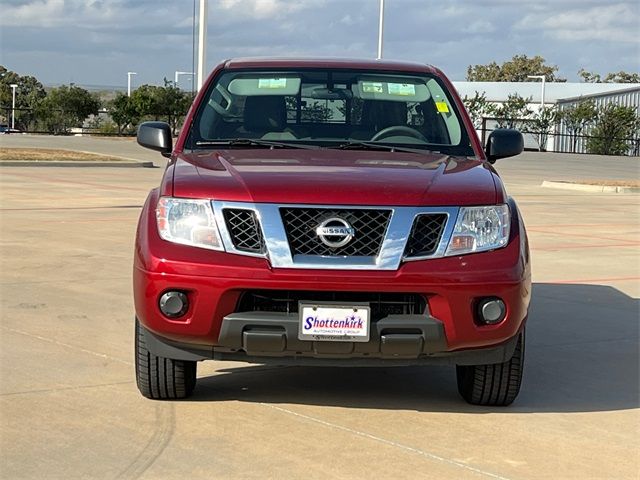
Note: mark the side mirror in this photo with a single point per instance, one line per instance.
(504, 142)
(156, 136)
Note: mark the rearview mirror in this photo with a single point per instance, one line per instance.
(504, 142)
(331, 93)
(156, 136)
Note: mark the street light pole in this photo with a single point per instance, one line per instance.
(380, 29)
(13, 105)
(202, 42)
(129, 82)
(544, 79)
(177, 76)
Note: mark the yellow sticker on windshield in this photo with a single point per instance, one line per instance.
(272, 83)
(442, 107)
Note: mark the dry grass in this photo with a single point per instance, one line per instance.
(53, 155)
(609, 183)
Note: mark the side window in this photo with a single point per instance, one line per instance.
(337, 109)
(315, 109)
(292, 109)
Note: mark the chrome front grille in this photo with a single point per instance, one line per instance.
(369, 227)
(381, 237)
(425, 235)
(244, 230)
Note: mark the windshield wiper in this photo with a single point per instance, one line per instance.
(251, 142)
(380, 146)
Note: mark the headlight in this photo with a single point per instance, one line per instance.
(190, 222)
(479, 229)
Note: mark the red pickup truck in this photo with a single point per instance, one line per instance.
(330, 212)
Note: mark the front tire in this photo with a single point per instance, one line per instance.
(493, 385)
(161, 378)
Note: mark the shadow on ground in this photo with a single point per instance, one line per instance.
(582, 355)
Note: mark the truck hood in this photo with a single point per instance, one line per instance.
(341, 177)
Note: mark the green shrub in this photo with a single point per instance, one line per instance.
(108, 127)
(614, 127)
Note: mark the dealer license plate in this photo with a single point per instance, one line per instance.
(334, 323)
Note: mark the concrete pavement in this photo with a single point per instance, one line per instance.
(69, 407)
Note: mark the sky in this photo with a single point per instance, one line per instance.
(95, 42)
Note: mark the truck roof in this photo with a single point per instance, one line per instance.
(328, 62)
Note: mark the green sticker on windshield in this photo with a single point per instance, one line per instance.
(272, 83)
(372, 87)
(408, 89)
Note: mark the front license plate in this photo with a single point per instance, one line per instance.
(334, 323)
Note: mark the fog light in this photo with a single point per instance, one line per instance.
(174, 304)
(491, 310)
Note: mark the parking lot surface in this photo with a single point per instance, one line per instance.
(69, 407)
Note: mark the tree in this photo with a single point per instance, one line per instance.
(589, 77)
(614, 127)
(478, 107)
(145, 101)
(577, 118)
(515, 70)
(29, 95)
(617, 77)
(122, 111)
(622, 77)
(65, 107)
(167, 102)
(173, 102)
(511, 113)
(542, 124)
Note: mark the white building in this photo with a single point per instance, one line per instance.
(563, 95)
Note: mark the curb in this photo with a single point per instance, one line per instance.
(583, 187)
(35, 163)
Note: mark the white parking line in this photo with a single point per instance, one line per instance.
(407, 448)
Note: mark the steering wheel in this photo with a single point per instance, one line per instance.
(399, 130)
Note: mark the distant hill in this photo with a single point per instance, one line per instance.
(104, 92)
(91, 88)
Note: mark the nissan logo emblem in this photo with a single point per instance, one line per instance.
(335, 232)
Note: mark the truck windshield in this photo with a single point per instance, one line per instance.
(331, 109)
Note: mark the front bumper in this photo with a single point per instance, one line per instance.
(215, 281)
(271, 338)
